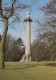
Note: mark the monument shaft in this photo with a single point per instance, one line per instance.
(28, 38)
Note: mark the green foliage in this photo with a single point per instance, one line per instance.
(20, 42)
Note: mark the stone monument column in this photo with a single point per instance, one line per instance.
(28, 21)
(27, 57)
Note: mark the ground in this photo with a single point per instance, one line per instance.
(29, 71)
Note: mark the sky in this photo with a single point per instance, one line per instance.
(35, 13)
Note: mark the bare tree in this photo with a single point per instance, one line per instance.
(50, 21)
(50, 11)
(5, 13)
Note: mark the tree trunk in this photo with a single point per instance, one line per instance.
(2, 65)
(51, 57)
(2, 43)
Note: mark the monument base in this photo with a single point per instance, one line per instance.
(26, 58)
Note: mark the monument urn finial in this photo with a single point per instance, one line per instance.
(28, 17)
(28, 14)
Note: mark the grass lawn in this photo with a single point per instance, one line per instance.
(29, 71)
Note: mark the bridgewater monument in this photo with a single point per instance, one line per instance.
(27, 56)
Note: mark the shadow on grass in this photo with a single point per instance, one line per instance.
(13, 68)
(51, 64)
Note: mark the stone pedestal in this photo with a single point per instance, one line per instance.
(26, 58)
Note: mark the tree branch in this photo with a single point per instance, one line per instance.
(1, 12)
(12, 10)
